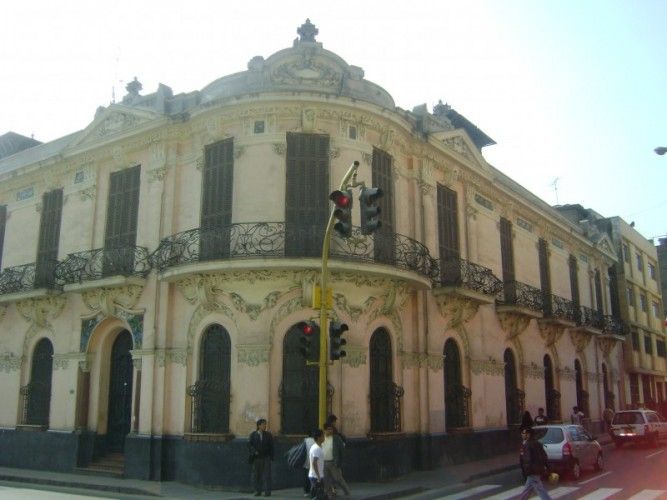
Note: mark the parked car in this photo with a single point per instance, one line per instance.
(638, 426)
(570, 448)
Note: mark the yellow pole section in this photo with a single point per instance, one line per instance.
(324, 313)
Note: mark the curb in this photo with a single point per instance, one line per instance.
(125, 490)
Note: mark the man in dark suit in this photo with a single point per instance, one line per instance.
(260, 443)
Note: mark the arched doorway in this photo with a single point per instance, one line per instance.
(552, 396)
(298, 391)
(457, 397)
(211, 392)
(37, 393)
(120, 392)
(385, 394)
(514, 397)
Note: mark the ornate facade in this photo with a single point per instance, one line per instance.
(155, 264)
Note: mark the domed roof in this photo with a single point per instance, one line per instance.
(305, 67)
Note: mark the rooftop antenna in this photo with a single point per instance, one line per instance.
(115, 77)
(555, 185)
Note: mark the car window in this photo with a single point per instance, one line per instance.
(549, 435)
(652, 417)
(628, 418)
(577, 433)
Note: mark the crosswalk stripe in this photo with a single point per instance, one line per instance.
(29, 494)
(504, 495)
(601, 494)
(561, 491)
(648, 495)
(472, 491)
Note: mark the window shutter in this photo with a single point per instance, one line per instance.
(49, 237)
(383, 241)
(3, 224)
(507, 250)
(574, 281)
(448, 227)
(598, 291)
(123, 209)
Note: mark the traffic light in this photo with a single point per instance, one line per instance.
(309, 332)
(336, 340)
(343, 212)
(369, 210)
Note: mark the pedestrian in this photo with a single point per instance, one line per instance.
(526, 420)
(309, 442)
(540, 418)
(333, 420)
(607, 417)
(577, 416)
(260, 443)
(316, 466)
(333, 460)
(533, 464)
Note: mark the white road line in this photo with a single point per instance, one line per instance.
(594, 478)
(28, 494)
(472, 491)
(648, 495)
(654, 454)
(601, 494)
(561, 491)
(507, 494)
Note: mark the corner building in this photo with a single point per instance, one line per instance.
(155, 266)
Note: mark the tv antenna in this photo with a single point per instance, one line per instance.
(555, 186)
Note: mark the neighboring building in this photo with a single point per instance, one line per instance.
(662, 263)
(11, 143)
(155, 266)
(637, 298)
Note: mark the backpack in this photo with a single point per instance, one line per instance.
(296, 455)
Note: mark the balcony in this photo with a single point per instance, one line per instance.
(590, 320)
(103, 263)
(520, 298)
(560, 311)
(280, 240)
(27, 280)
(461, 278)
(612, 325)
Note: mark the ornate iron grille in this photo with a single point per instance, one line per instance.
(24, 278)
(591, 318)
(613, 325)
(267, 239)
(36, 403)
(560, 308)
(515, 403)
(386, 405)
(103, 262)
(465, 274)
(553, 405)
(457, 407)
(522, 295)
(207, 395)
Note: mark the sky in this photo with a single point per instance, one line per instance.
(573, 92)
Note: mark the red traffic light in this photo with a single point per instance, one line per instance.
(341, 199)
(307, 327)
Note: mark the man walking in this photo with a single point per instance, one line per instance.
(333, 461)
(261, 455)
(316, 469)
(533, 464)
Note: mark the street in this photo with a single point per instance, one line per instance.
(636, 473)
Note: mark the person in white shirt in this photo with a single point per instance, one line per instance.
(316, 461)
(309, 442)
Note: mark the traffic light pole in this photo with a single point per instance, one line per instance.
(324, 312)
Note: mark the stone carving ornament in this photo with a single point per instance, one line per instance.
(253, 354)
(487, 367)
(580, 339)
(513, 324)
(110, 301)
(10, 362)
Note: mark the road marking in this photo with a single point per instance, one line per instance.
(561, 491)
(654, 454)
(601, 494)
(594, 478)
(648, 495)
(472, 491)
(507, 494)
(28, 494)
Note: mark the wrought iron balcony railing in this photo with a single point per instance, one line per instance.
(103, 263)
(519, 294)
(591, 318)
(613, 325)
(278, 239)
(25, 278)
(557, 307)
(465, 274)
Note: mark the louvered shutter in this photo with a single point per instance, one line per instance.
(598, 292)
(49, 237)
(121, 226)
(507, 256)
(574, 282)
(3, 224)
(545, 274)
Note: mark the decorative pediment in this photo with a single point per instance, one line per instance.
(113, 120)
(605, 245)
(458, 142)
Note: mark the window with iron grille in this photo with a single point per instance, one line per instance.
(307, 194)
(613, 293)
(457, 397)
(3, 224)
(631, 296)
(49, 237)
(384, 403)
(216, 204)
(37, 393)
(121, 225)
(383, 240)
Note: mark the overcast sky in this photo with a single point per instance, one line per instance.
(573, 90)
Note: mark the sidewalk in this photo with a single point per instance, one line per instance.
(413, 483)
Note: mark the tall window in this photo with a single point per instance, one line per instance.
(382, 178)
(211, 415)
(3, 224)
(385, 409)
(613, 293)
(598, 292)
(38, 392)
(514, 397)
(457, 397)
(507, 256)
(298, 391)
(121, 227)
(545, 273)
(574, 284)
(49, 237)
(216, 204)
(582, 395)
(307, 194)
(448, 235)
(634, 389)
(552, 396)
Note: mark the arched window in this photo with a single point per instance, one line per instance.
(385, 394)
(37, 394)
(457, 397)
(582, 395)
(211, 393)
(514, 397)
(299, 388)
(551, 395)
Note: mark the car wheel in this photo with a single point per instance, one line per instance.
(575, 471)
(599, 463)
